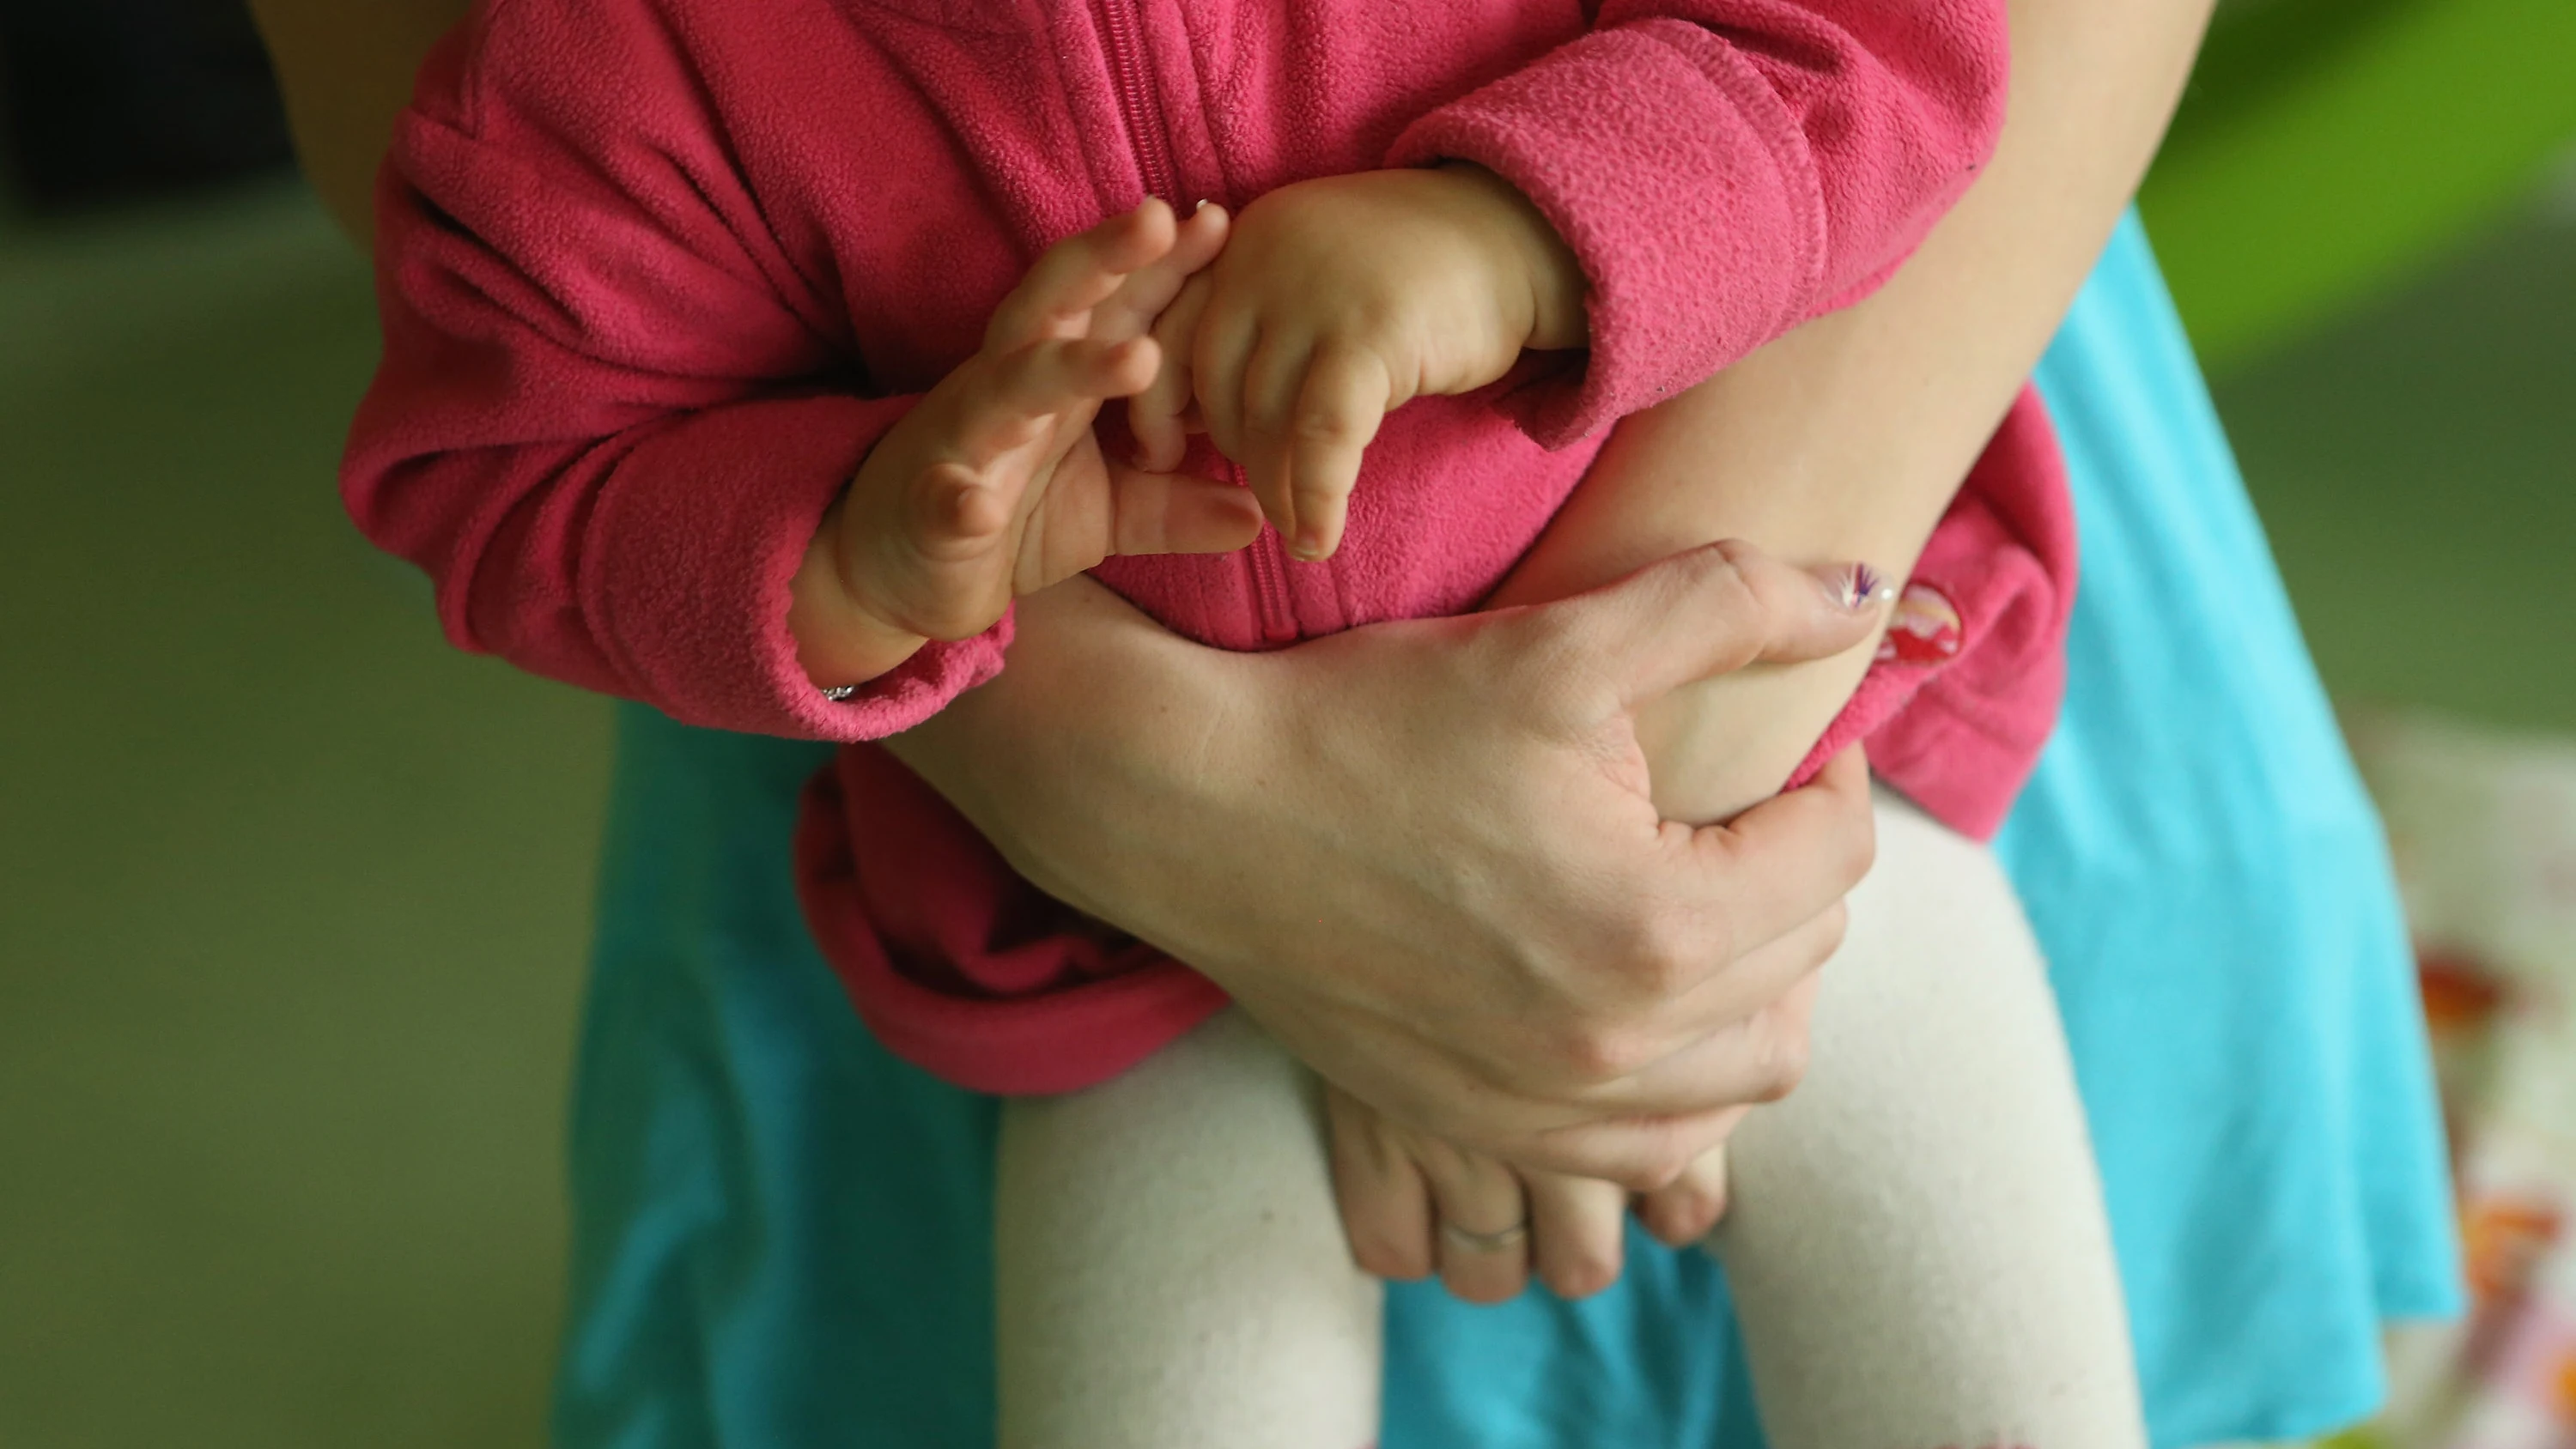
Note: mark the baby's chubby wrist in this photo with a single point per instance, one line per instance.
(1535, 255)
(839, 640)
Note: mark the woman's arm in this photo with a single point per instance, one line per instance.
(346, 70)
(1847, 438)
(1844, 439)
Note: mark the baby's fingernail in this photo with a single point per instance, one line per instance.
(1309, 545)
(1859, 588)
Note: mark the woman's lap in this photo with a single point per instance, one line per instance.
(782, 1235)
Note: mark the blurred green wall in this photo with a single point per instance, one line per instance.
(291, 895)
(2326, 149)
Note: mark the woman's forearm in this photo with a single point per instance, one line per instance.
(346, 72)
(1847, 438)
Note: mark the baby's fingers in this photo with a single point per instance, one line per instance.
(1148, 291)
(1176, 513)
(1337, 414)
(1011, 401)
(1160, 415)
(938, 568)
(1274, 375)
(1221, 343)
(1079, 273)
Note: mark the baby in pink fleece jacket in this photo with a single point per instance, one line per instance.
(712, 379)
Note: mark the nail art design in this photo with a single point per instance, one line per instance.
(1926, 630)
(1865, 584)
(1862, 588)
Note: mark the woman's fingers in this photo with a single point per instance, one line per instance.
(1738, 1031)
(1644, 1133)
(1713, 610)
(1577, 1228)
(1759, 1056)
(1484, 1242)
(1411, 1203)
(1688, 1208)
(1385, 1203)
(1778, 867)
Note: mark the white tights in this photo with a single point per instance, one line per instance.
(1916, 1244)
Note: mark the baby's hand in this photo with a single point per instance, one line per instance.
(1339, 300)
(994, 485)
(1413, 1204)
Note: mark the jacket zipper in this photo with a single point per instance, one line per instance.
(1138, 108)
(1270, 582)
(1136, 100)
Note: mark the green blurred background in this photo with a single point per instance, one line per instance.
(292, 899)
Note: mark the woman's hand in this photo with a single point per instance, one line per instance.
(1424, 854)
(1413, 1205)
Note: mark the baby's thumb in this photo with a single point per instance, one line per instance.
(951, 514)
(1178, 513)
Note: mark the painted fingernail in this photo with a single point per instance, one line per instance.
(1860, 588)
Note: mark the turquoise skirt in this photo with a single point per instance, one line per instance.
(782, 1234)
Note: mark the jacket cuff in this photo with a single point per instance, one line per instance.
(693, 558)
(1692, 207)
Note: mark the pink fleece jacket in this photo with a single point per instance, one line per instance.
(657, 273)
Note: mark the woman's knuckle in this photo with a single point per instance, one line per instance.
(1858, 842)
(1696, 1203)
(1662, 1165)
(1835, 927)
(1730, 569)
(1596, 1053)
(1330, 426)
(1667, 952)
(1786, 1055)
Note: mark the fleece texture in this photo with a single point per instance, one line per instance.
(656, 274)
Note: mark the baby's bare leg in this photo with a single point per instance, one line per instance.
(1171, 1270)
(1917, 1241)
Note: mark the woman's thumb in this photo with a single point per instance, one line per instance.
(1715, 609)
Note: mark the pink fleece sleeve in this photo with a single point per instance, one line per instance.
(579, 429)
(1727, 169)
